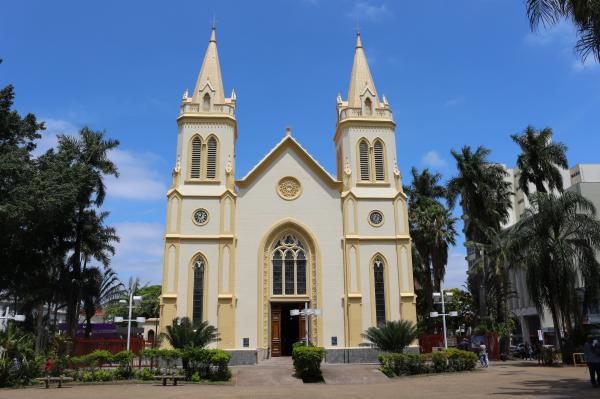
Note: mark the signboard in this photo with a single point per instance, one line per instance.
(540, 336)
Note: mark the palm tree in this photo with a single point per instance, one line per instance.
(99, 289)
(584, 13)
(485, 200)
(558, 240)
(539, 160)
(432, 229)
(183, 334)
(391, 336)
(86, 158)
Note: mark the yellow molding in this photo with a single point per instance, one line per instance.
(355, 295)
(199, 236)
(172, 295)
(362, 122)
(359, 237)
(202, 181)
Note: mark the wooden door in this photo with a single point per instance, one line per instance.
(301, 328)
(275, 331)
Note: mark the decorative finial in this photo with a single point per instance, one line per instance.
(385, 101)
(185, 94)
(233, 96)
(358, 42)
(396, 171)
(288, 131)
(339, 98)
(213, 32)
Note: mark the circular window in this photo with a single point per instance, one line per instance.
(376, 218)
(289, 188)
(200, 216)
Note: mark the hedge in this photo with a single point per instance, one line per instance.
(307, 362)
(437, 362)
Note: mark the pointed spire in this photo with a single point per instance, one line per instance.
(361, 78)
(210, 73)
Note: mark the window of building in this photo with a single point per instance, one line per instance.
(198, 291)
(211, 159)
(379, 283)
(289, 266)
(196, 158)
(363, 149)
(379, 161)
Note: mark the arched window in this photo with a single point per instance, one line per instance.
(206, 103)
(196, 155)
(378, 281)
(368, 106)
(363, 149)
(289, 266)
(198, 291)
(211, 159)
(379, 161)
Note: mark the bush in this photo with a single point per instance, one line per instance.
(391, 336)
(195, 377)
(210, 364)
(436, 362)
(146, 374)
(219, 365)
(103, 375)
(123, 359)
(307, 362)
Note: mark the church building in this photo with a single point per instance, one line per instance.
(243, 252)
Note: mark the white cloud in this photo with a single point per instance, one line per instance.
(590, 63)
(49, 139)
(562, 34)
(139, 254)
(456, 270)
(434, 160)
(454, 101)
(138, 179)
(368, 10)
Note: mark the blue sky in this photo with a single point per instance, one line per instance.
(463, 72)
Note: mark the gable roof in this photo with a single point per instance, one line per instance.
(288, 142)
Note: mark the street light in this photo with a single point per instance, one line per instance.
(15, 317)
(441, 297)
(134, 300)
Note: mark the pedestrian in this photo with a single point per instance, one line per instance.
(483, 356)
(49, 366)
(528, 351)
(591, 351)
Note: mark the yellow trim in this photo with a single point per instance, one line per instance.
(290, 143)
(362, 122)
(359, 237)
(199, 237)
(282, 195)
(171, 198)
(386, 288)
(382, 218)
(194, 217)
(264, 293)
(202, 181)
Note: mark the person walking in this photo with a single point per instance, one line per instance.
(591, 351)
(483, 357)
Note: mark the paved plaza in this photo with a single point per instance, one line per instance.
(502, 380)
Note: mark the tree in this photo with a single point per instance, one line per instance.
(183, 334)
(584, 13)
(391, 336)
(539, 160)
(86, 158)
(485, 198)
(100, 288)
(558, 240)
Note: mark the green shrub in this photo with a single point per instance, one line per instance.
(436, 362)
(195, 377)
(146, 374)
(103, 375)
(307, 362)
(87, 376)
(219, 365)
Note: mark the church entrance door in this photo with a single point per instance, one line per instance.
(285, 329)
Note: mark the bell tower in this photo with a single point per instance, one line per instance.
(199, 252)
(377, 245)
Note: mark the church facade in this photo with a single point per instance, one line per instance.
(242, 252)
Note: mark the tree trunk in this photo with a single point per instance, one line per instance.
(555, 321)
(40, 330)
(75, 294)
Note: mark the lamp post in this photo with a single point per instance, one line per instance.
(134, 300)
(6, 317)
(441, 296)
(305, 312)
